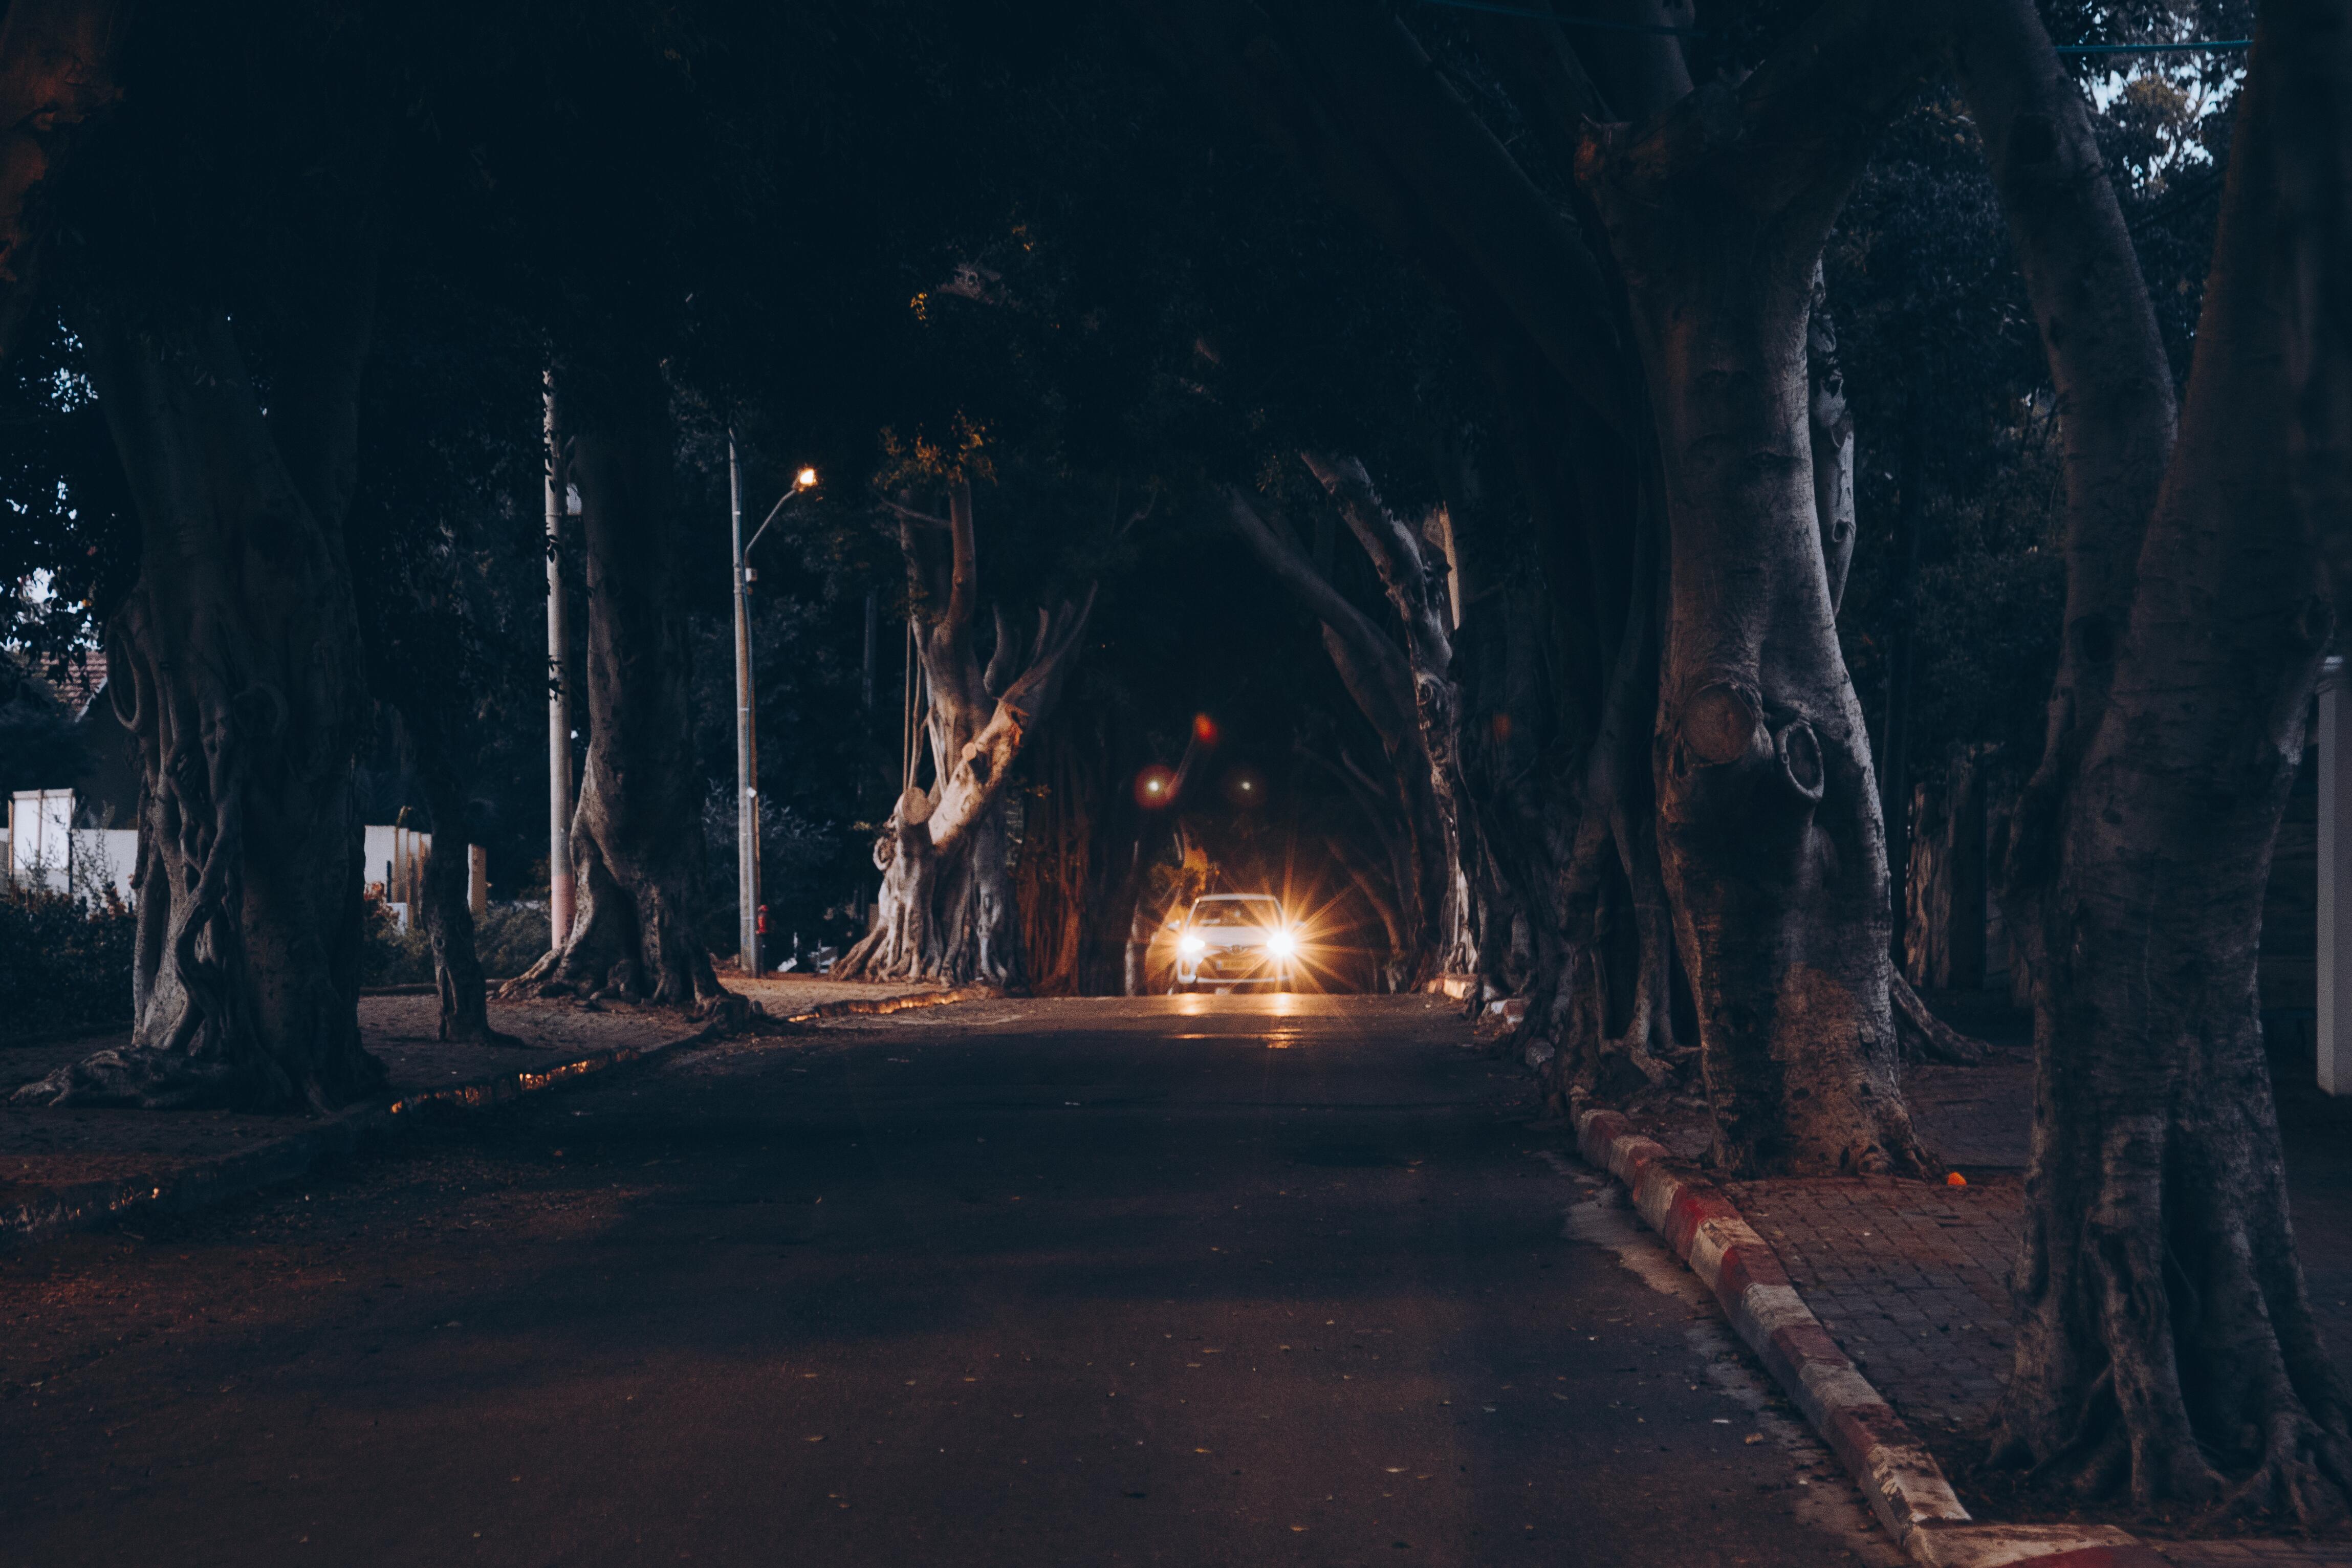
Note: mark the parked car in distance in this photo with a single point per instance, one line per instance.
(1235, 938)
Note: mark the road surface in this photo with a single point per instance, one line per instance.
(1190, 1280)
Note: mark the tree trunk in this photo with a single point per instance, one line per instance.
(1831, 428)
(1417, 592)
(636, 832)
(237, 666)
(1416, 817)
(2166, 1344)
(448, 915)
(1769, 832)
(949, 908)
(1059, 870)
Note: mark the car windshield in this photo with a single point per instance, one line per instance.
(1237, 912)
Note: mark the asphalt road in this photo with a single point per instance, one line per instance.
(1191, 1280)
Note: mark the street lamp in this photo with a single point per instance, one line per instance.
(747, 744)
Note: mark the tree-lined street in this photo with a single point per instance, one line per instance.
(1673, 571)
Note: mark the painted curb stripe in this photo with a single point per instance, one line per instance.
(1905, 1487)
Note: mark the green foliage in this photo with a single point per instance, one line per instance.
(390, 956)
(509, 939)
(64, 962)
(1944, 369)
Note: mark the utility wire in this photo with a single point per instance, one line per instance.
(1657, 29)
(2214, 45)
(1653, 28)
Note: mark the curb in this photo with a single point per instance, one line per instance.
(417, 988)
(861, 1008)
(1905, 1486)
(87, 1205)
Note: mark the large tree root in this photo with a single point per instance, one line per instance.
(2167, 1352)
(145, 1079)
(1926, 1037)
(2303, 1474)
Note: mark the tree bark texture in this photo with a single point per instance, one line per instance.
(1416, 591)
(1406, 814)
(636, 832)
(2166, 1346)
(948, 902)
(237, 666)
(448, 915)
(1831, 428)
(1769, 823)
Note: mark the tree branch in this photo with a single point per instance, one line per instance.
(908, 514)
(1353, 98)
(977, 776)
(56, 69)
(1472, 191)
(1396, 553)
(1788, 143)
(2116, 414)
(963, 574)
(1376, 673)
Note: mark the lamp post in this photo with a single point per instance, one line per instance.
(747, 740)
(558, 695)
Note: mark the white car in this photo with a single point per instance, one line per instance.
(1235, 938)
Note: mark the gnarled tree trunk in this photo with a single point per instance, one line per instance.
(236, 663)
(2166, 1344)
(1417, 592)
(1411, 818)
(1768, 822)
(636, 833)
(948, 907)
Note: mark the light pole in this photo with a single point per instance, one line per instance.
(747, 739)
(558, 695)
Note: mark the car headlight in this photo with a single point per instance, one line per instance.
(1281, 944)
(1191, 946)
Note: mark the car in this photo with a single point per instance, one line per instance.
(1235, 938)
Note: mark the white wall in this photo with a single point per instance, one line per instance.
(395, 858)
(45, 849)
(40, 844)
(105, 857)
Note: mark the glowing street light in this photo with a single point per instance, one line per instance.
(747, 740)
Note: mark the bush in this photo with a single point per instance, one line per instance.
(390, 956)
(510, 938)
(65, 963)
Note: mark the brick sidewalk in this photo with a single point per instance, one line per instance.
(1912, 1278)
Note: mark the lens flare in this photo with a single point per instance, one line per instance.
(1155, 786)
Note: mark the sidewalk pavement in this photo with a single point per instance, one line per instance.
(1911, 1278)
(69, 1169)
